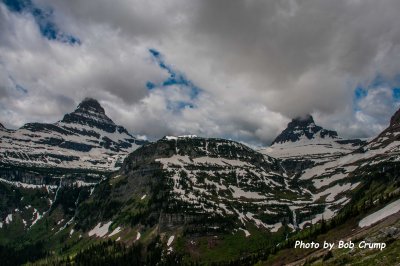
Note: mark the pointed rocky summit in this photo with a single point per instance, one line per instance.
(84, 139)
(303, 128)
(395, 120)
(389, 135)
(89, 112)
(91, 105)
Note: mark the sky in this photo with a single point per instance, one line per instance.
(233, 69)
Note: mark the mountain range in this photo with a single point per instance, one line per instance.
(74, 184)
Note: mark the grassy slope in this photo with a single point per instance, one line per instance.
(226, 247)
(377, 191)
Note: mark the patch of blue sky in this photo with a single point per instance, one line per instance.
(150, 85)
(396, 94)
(360, 93)
(379, 81)
(44, 19)
(154, 53)
(175, 78)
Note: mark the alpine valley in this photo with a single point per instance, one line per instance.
(85, 191)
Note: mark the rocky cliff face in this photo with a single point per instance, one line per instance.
(92, 114)
(303, 128)
(389, 139)
(304, 143)
(83, 139)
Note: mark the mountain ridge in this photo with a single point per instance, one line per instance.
(387, 136)
(84, 138)
(307, 143)
(303, 127)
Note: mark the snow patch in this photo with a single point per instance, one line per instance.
(9, 219)
(332, 192)
(238, 193)
(80, 183)
(386, 211)
(275, 227)
(36, 217)
(116, 231)
(25, 185)
(100, 230)
(170, 240)
(247, 233)
(188, 136)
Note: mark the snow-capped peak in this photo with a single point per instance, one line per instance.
(395, 120)
(84, 138)
(90, 113)
(304, 128)
(389, 137)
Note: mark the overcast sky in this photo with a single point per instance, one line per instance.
(233, 69)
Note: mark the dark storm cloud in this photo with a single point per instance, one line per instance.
(307, 50)
(258, 63)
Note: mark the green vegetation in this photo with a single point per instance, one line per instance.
(140, 200)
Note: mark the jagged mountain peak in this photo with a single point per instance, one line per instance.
(84, 138)
(90, 104)
(303, 127)
(302, 121)
(389, 135)
(3, 128)
(395, 120)
(89, 112)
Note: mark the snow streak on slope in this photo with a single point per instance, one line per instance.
(85, 138)
(218, 177)
(386, 211)
(304, 140)
(317, 150)
(100, 230)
